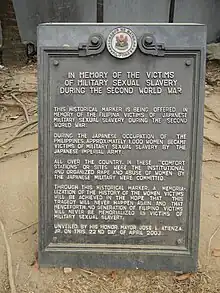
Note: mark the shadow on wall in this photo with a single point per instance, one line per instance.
(3, 8)
(12, 50)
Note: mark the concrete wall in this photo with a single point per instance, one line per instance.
(201, 11)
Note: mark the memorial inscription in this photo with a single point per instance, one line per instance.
(120, 147)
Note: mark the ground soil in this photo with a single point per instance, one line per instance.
(19, 204)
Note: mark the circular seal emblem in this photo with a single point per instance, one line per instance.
(121, 42)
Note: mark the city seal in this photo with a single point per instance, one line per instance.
(121, 42)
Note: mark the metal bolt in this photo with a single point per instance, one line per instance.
(179, 241)
(148, 41)
(188, 62)
(55, 62)
(95, 40)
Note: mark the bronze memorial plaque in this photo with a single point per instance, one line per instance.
(120, 145)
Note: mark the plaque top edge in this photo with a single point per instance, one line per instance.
(121, 24)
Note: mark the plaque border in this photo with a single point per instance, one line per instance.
(116, 256)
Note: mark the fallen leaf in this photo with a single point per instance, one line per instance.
(67, 270)
(14, 117)
(113, 275)
(216, 252)
(35, 263)
(182, 277)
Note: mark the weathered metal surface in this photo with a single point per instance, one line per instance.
(30, 13)
(119, 173)
(199, 11)
(136, 11)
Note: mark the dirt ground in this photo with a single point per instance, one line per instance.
(19, 204)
